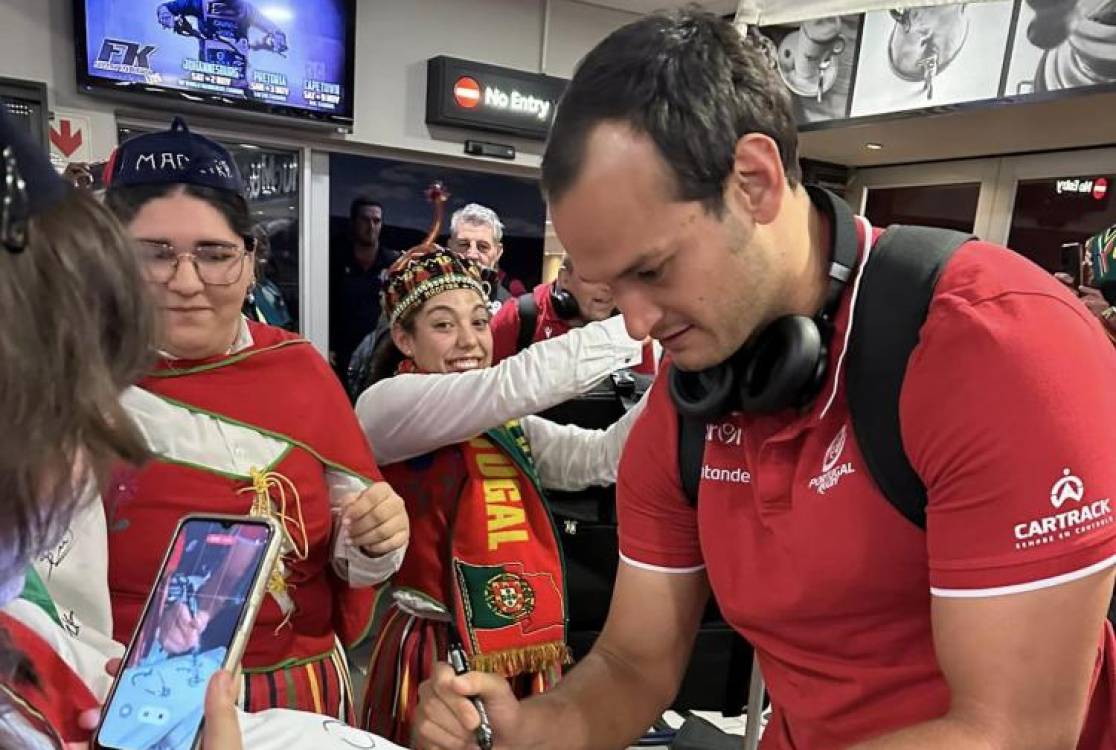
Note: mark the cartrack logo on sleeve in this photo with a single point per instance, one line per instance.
(1079, 517)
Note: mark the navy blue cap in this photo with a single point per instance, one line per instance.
(29, 183)
(173, 157)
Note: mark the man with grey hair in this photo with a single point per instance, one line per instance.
(476, 233)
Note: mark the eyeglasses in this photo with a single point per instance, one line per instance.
(217, 264)
(461, 247)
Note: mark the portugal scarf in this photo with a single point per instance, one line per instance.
(509, 598)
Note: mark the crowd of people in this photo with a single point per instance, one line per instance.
(134, 391)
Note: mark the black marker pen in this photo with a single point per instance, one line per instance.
(460, 663)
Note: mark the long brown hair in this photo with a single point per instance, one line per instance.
(75, 330)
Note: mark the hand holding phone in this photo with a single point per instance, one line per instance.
(195, 624)
(222, 724)
(222, 728)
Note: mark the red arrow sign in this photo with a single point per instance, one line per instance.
(65, 139)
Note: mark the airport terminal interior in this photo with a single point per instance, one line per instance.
(557, 374)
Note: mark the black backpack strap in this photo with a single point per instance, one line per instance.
(691, 455)
(528, 317)
(896, 287)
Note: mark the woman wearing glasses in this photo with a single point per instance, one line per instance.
(243, 418)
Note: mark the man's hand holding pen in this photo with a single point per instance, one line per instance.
(447, 717)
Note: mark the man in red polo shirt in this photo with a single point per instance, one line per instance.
(672, 174)
(566, 303)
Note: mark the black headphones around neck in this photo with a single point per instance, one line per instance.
(564, 303)
(783, 365)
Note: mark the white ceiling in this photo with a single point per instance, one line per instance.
(1070, 122)
(650, 6)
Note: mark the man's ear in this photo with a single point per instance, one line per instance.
(756, 184)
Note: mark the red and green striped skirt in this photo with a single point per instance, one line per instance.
(320, 685)
(404, 653)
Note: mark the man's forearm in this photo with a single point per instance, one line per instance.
(952, 733)
(940, 733)
(602, 704)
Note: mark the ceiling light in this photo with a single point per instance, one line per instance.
(874, 146)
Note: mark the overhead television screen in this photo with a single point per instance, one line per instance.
(290, 57)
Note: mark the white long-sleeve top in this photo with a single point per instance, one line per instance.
(409, 415)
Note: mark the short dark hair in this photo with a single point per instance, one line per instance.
(126, 202)
(360, 202)
(691, 82)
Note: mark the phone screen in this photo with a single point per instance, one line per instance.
(188, 628)
(1075, 262)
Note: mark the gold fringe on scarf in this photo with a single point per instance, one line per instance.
(264, 507)
(516, 661)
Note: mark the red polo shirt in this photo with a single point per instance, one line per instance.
(1007, 413)
(505, 324)
(505, 329)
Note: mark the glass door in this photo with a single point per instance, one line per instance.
(951, 206)
(1046, 202)
(954, 195)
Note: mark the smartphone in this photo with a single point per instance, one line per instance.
(197, 620)
(1075, 262)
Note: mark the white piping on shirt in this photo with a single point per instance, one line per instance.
(1020, 588)
(658, 568)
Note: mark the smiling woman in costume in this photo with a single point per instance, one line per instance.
(484, 563)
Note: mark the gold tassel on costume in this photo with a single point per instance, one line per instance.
(516, 661)
(264, 507)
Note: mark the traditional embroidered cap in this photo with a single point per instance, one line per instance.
(425, 272)
(29, 184)
(173, 157)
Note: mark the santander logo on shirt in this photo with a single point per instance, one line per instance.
(725, 433)
(1074, 515)
(832, 471)
(730, 434)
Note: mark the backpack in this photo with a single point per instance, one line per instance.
(895, 291)
(528, 318)
(358, 370)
